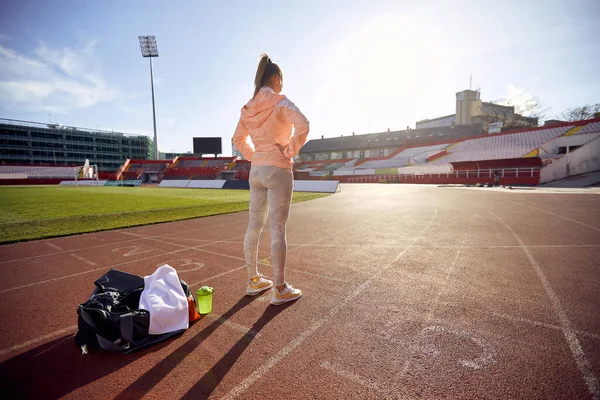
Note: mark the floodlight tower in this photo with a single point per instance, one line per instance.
(150, 49)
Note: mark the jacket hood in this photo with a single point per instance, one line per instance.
(258, 109)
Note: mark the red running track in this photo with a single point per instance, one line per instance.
(409, 292)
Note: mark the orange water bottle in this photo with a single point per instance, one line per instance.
(205, 294)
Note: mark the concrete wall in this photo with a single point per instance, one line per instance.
(437, 122)
(316, 186)
(584, 159)
(467, 102)
(550, 148)
(174, 183)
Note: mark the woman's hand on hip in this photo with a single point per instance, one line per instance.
(281, 148)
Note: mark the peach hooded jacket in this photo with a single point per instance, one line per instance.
(267, 119)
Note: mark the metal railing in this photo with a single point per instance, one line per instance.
(482, 173)
(63, 129)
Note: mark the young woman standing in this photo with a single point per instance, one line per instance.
(264, 136)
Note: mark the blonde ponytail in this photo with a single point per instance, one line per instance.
(266, 69)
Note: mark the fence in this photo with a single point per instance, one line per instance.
(506, 176)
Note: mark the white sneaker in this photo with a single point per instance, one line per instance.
(257, 285)
(288, 293)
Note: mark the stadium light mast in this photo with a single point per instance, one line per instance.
(149, 50)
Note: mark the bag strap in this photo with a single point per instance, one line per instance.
(126, 322)
(110, 346)
(87, 318)
(126, 325)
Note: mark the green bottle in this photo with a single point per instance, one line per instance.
(205, 294)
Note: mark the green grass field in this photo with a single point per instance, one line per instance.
(28, 213)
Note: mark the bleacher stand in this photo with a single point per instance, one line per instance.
(406, 157)
(217, 163)
(34, 171)
(153, 167)
(512, 145)
(134, 167)
(184, 163)
(594, 127)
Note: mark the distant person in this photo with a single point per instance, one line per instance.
(267, 120)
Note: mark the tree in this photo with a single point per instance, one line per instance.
(586, 111)
(512, 117)
(533, 108)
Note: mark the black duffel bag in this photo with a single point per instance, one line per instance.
(111, 318)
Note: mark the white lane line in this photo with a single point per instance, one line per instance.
(262, 262)
(74, 327)
(230, 271)
(442, 246)
(38, 339)
(577, 352)
(266, 367)
(96, 269)
(117, 243)
(134, 234)
(235, 326)
(317, 275)
(435, 303)
(86, 272)
(88, 262)
(218, 254)
(364, 382)
(55, 247)
(188, 239)
(545, 325)
(525, 320)
(556, 215)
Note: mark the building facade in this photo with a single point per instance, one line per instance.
(382, 144)
(447, 120)
(470, 109)
(33, 143)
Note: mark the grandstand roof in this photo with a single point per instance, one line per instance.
(392, 138)
(65, 128)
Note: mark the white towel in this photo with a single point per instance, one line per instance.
(164, 298)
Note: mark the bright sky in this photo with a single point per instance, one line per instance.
(350, 66)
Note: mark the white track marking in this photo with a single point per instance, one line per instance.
(88, 262)
(577, 352)
(364, 382)
(244, 266)
(55, 247)
(134, 234)
(74, 327)
(131, 250)
(172, 238)
(266, 367)
(219, 254)
(183, 262)
(317, 275)
(120, 242)
(230, 271)
(487, 352)
(435, 303)
(38, 339)
(544, 325)
(238, 327)
(434, 246)
(93, 270)
(525, 320)
(199, 248)
(556, 215)
(86, 272)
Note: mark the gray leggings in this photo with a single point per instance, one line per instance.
(270, 192)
